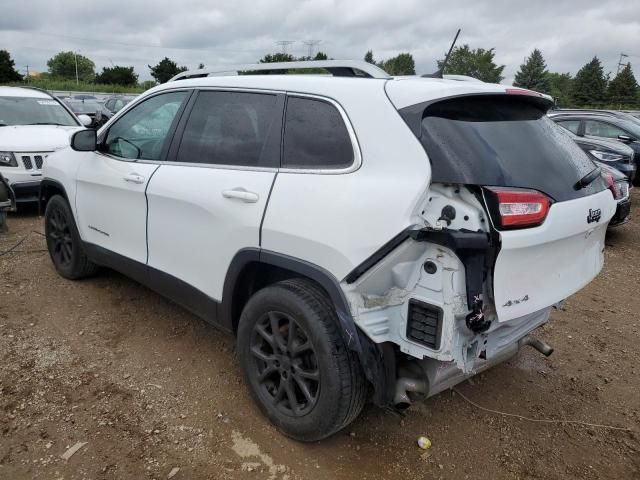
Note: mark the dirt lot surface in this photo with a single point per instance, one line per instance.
(152, 389)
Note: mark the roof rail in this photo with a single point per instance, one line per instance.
(338, 68)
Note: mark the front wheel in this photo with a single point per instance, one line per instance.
(63, 241)
(299, 370)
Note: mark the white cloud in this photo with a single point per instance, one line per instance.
(141, 32)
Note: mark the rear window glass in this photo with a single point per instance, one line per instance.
(315, 136)
(502, 140)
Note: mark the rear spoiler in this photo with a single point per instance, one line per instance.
(413, 114)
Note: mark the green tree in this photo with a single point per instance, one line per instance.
(478, 63)
(277, 57)
(401, 64)
(117, 75)
(560, 87)
(368, 57)
(589, 85)
(8, 72)
(165, 70)
(321, 56)
(64, 65)
(623, 89)
(533, 74)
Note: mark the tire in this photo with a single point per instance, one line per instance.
(315, 356)
(63, 241)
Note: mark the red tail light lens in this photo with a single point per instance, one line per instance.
(610, 184)
(519, 208)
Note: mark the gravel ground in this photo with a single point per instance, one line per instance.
(157, 393)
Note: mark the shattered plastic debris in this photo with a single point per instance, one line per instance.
(424, 443)
(71, 451)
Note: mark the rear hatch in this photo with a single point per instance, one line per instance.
(548, 203)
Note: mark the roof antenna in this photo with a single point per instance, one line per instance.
(438, 73)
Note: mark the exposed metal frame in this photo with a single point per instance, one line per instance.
(338, 68)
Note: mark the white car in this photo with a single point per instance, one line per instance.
(364, 237)
(33, 124)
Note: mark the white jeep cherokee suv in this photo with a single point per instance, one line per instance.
(33, 124)
(364, 237)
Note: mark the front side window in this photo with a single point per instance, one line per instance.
(315, 136)
(228, 128)
(141, 133)
(601, 129)
(34, 111)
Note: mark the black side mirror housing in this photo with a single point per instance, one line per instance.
(84, 140)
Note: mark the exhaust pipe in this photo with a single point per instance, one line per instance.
(405, 385)
(540, 345)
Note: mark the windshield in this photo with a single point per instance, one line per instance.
(503, 140)
(84, 106)
(34, 111)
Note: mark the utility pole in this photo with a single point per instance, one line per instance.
(27, 77)
(620, 64)
(76, 56)
(284, 44)
(311, 44)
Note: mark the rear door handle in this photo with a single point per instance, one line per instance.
(241, 194)
(134, 178)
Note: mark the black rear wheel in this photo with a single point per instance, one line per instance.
(63, 241)
(299, 370)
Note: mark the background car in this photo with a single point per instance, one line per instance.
(115, 103)
(620, 188)
(601, 125)
(98, 113)
(33, 124)
(614, 154)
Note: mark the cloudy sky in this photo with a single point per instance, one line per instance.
(142, 32)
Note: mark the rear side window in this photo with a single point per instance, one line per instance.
(228, 128)
(502, 140)
(571, 125)
(315, 136)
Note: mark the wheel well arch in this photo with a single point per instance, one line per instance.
(49, 188)
(252, 269)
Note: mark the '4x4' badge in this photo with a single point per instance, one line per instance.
(594, 215)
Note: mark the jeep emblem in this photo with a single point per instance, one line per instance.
(594, 215)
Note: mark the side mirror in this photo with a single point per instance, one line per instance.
(85, 120)
(84, 141)
(625, 138)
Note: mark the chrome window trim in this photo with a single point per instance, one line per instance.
(357, 155)
(211, 165)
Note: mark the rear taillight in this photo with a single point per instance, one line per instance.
(518, 207)
(608, 179)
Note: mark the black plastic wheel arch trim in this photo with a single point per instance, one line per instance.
(44, 184)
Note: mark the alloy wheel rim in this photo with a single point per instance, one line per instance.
(286, 364)
(60, 236)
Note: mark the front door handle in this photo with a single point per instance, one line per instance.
(134, 178)
(241, 194)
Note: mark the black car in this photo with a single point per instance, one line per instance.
(608, 152)
(620, 189)
(98, 113)
(115, 103)
(601, 125)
